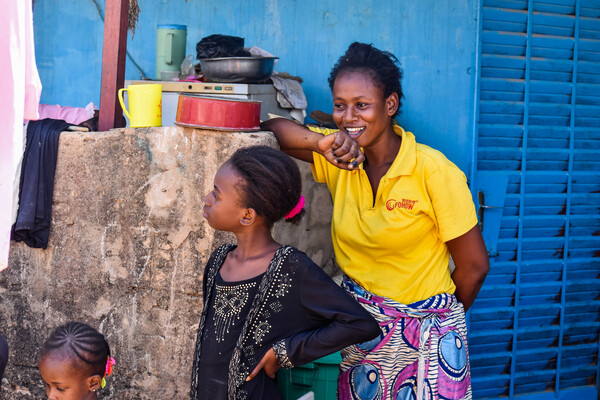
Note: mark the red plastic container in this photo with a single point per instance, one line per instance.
(218, 113)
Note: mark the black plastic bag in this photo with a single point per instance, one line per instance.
(221, 46)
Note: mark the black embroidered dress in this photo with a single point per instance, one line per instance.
(297, 309)
(229, 304)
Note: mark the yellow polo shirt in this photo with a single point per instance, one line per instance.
(396, 247)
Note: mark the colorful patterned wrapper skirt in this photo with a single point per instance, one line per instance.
(421, 353)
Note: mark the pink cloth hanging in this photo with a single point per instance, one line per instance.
(73, 115)
(21, 90)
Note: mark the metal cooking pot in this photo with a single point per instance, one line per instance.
(218, 113)
(238, 69)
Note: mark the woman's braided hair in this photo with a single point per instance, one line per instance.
(382, 67)
(79, 342)
(271, 182)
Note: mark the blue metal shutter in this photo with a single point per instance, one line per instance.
(534, 329)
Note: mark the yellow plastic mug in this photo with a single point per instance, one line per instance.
(145, 104)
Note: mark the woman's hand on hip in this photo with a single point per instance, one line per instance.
(472, 265)
(269, 363)
(341, 150)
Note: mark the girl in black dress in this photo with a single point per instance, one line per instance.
(266, 305)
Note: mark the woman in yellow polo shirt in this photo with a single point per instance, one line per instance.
(400, 209)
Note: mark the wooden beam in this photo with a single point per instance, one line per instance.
(114, 50)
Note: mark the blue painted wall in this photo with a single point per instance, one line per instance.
(435, 41)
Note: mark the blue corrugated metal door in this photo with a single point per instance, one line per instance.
(534, 329)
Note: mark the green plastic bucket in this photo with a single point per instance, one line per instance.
(319, 377)
(170, 47)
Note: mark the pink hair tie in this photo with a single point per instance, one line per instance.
(296, 210)
(108, 370)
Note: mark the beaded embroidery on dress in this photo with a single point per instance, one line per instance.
(229, 302)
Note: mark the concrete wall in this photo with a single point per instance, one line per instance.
(126, 255)
(434, 40)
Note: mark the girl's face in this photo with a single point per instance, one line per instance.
(359, 108)
(223, 207)
(66, 382)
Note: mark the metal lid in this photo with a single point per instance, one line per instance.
(220, 98)
(172, 26)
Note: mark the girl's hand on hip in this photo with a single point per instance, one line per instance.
(269, 363)
(341, 150)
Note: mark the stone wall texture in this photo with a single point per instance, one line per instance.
(127, 250)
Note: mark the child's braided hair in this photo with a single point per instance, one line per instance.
(79, 343)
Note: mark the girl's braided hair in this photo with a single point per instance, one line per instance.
(271, 182)
(79, 342)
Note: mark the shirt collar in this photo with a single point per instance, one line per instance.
(406, 160)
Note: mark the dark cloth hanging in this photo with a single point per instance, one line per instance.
(36, 186)
(221, 46)
(3, 356)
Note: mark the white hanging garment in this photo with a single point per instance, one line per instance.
(21, 90)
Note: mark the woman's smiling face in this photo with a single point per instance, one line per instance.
(359, 106)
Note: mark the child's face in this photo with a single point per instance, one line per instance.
(222, 206)
(64, 381)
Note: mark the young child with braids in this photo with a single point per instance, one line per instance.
(74, 362)
(266, 305)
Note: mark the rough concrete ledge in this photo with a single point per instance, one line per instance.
(126, 254)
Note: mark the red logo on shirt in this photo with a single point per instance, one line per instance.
(404, 203)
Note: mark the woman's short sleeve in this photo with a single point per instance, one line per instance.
(452, 202)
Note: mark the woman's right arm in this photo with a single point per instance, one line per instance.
(294, 139)
(299, 142)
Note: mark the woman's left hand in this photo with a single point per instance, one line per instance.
(341, 150)
(269, 363)
(472, 265)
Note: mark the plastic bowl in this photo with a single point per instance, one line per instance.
(238, 69)
(169, 75)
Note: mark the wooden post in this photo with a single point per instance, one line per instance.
(113, 63)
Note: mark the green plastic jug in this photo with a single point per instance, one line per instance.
(170, 47)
